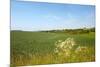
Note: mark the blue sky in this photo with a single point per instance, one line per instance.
(36, 16)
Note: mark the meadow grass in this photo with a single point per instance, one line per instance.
(32, 48)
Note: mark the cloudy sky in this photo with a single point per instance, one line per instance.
(35, 16)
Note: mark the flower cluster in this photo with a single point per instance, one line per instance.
(64, 47)
(81, 49)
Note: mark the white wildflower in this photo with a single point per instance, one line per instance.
(80, 48)
(62, 44)
(64, 47)
(56, 50)
(59, 40)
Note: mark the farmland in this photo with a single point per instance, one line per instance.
(32, 48)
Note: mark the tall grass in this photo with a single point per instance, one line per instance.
(32, 48)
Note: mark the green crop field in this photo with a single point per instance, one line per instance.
(32, 48)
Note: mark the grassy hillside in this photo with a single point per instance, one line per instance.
(31, 48)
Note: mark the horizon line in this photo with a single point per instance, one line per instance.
(52, 29)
